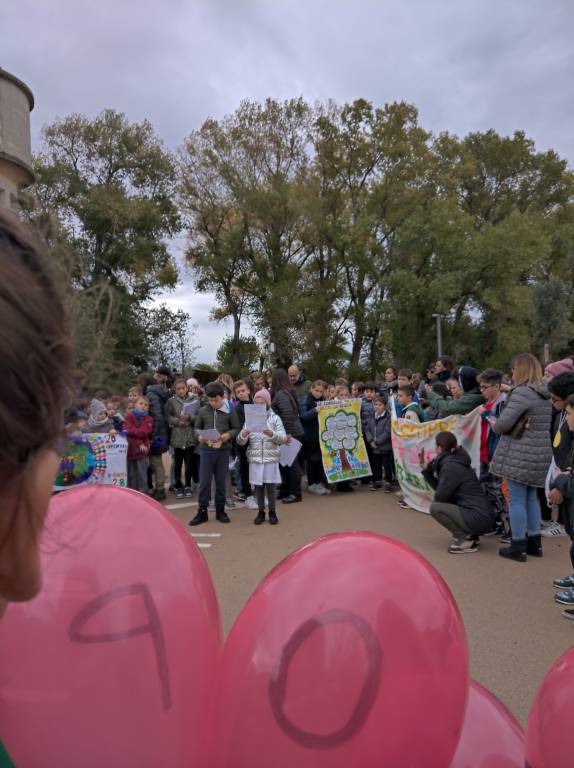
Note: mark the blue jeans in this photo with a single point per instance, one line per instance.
(524, 509)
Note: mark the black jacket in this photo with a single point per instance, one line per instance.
(158, 396)
(310, 421)
(287, 408)
(455, 482)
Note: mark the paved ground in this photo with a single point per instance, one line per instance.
(514, 628)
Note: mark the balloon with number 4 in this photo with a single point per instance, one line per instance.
(549, 727)
(491, 736)
(113, 662)
(350, 652)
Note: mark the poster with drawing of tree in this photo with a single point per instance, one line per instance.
(343, 449)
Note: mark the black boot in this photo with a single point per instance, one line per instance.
(222, 516)
(534, 545)
(516, 550)
(273, 519)
(260, 519)
(201, 517)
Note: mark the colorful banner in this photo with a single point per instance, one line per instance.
(342, 446)
(408, 441)
(93, 458)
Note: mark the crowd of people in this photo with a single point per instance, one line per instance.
(524, 490)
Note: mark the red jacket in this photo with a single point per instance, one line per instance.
(138, 432)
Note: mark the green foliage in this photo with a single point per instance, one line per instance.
(246, 352)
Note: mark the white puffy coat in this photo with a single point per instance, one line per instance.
(263, 449)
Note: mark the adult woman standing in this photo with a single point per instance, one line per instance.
(286, 406)
(523, 454)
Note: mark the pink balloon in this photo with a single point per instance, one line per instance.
(112, 664)
(491, 736)
(351, 652)
(549, 727)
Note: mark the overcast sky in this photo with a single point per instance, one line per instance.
(467, 65)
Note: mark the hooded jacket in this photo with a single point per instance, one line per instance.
(262, 449)
(455, 482)
(378, 430)
(138, 430)
(223, 420)
(158, 396)
(524, 459)
(181, 437)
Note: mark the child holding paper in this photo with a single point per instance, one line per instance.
(181, 410)
(263, 455)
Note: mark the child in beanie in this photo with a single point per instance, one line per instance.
(98, 420)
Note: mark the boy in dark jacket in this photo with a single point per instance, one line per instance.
(181, 410)
(310, 406)
(378, 438)
(214, 454)
(138, 426)
(459, 503)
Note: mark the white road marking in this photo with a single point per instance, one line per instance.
(181, 506)
(205, 535)
(203, 546)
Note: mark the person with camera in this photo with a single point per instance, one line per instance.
(459, 503)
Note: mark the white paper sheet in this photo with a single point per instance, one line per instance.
(256, 418)
(191, 409)
(209, 434)
(288, 452)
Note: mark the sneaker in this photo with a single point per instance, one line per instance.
(506, 538)
(324, 490)
(230, 503)
(403, 504)
(314, 489)
(498, 530)
(568, 613)
(463, 547)
(566, 583)
(565, 598)
(179, 493)
(553, 529)
(251, 503)
(240, 496)
(188, 492)
(387, 488)
(374, 487)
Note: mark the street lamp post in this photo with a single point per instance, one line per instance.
(438, 333)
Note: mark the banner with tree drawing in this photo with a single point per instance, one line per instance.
(342, 446)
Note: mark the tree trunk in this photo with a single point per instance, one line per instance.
(345, 466)
(236, 345)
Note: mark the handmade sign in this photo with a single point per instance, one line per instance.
(408, 441)
(342, 446)
(93, 458)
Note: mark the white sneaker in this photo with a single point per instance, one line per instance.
(251, 503)
(554, 529)
(314, 489)
(322, 490)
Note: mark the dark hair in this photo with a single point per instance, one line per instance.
(37, 360)
(145, 380)
(215, 389)
(371, 385)
(447, 361)
(407, 390)
(441, 389)
(570, 401)
(280, 382)
(103, 395)
(360, 385)
(562, 385)
(491, 376)
(446, 441)
(179, 381)
(381, 399)
(406, 372)
(394, 369)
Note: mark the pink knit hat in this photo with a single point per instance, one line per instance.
(264, 394)
(560, 366)
(192, 383)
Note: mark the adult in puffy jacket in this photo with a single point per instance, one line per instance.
(263, 456)
(286, 406)
(459, 502)
(470, 399)
(523, 455)
(158, 396)
(310, 405)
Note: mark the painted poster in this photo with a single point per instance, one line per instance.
(409, 439)
(342, 446)
(93, 458)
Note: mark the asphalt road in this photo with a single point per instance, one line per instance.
(515, 630)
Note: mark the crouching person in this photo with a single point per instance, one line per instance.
(459, 502)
